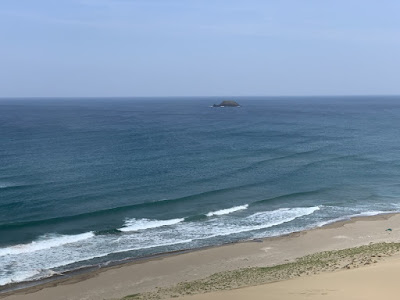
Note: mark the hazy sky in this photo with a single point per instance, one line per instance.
(198, 47)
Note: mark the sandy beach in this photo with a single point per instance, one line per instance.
(157, 277)
(373, 282)
(193, 150)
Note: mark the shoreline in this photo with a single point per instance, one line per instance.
(239, 254)
(85, 271)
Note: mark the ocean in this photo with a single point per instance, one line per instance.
(90, 182)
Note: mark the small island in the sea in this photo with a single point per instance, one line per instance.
(227, 103)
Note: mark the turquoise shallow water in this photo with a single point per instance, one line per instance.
(89, 181)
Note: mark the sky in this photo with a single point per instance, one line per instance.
(135, 48)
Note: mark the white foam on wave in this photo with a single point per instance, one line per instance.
(283, 214)
(18, 277)
(142, 224)
(362, 214)
(26, 262)
(170, 243)
(45, 242)
(266, 219)
(4, 185)
(227, 210)
(26, 274)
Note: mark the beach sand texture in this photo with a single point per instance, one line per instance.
(153, 274)
(379, 281)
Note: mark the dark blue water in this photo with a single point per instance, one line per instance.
(88, 181)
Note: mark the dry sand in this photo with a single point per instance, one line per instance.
(379, 281)
(143, 276)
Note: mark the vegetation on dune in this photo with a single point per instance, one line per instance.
(307, 265)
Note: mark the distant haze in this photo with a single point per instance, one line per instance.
(105, 48)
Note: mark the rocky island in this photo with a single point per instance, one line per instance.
(227, 103)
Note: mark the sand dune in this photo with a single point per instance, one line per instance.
(380, 281)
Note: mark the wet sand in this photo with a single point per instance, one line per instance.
(152, 274)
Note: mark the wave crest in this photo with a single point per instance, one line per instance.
(227, 211)
(45, 242)
(142, 224)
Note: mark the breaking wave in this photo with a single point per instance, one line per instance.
(142, 224)
(227, 210)
(45, 242)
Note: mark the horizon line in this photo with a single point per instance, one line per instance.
(188, 96)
